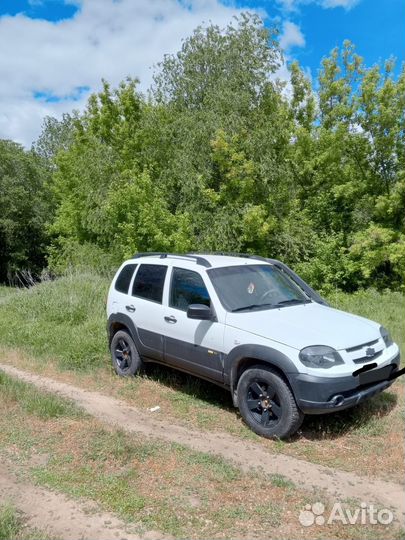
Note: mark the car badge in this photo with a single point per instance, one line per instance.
(370, 352)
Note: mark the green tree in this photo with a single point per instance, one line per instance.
(215, 66)
(226, 133)
(220, 157)
(56, 135)
(24, 211)
(349, 166)
(107, 204)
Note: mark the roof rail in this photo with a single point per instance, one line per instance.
(163, 255)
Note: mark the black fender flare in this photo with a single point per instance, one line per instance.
(261, 353)
(125, 320)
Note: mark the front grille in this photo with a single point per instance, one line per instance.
(358, 347)
(364, 359)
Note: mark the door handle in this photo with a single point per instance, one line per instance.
(171, 319)
(130, 308)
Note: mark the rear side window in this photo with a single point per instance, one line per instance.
(187, 288)
(124, 278)
(149, 282)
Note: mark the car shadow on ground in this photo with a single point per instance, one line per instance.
(364, 417)
(190, 386)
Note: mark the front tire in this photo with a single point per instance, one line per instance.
(267, 404)
(125, 357)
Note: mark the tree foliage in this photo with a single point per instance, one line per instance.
(24, 210)
(220, 156)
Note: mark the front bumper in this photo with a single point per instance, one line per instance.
(319, 395)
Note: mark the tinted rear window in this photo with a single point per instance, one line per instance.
(124, 278)
(149, 282)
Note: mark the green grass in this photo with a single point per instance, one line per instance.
(219, 467)
(33, 401)
(156, 485)
(62, 323)
(151, 483)
(387, 308)
(7, 291)
(113, 491)
(10, 523)
(281, 481)
(63, 320)
(12, 526)
(105, 445)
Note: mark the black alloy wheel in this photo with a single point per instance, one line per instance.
(267, 403)
(124, 355)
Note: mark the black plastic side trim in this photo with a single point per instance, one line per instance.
(394, 375)
(191, 358)
(125, 320)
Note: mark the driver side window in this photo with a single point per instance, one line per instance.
(187, 287)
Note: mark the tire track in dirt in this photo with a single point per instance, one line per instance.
(59, 516)
(246, 455)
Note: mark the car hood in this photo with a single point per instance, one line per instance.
(307, 324)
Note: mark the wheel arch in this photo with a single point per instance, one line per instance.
(120, 321)
(246, 356)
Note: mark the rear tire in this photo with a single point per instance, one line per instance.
(125, 357)
(267, 404)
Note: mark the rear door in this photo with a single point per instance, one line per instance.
(146, 310)
(119, 298)
(191, 345)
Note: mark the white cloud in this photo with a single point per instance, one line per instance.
(106, 39)
(292, 5)
(291, 36)
(289, 5)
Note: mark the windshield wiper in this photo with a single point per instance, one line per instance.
(291, 301)
(252, 306)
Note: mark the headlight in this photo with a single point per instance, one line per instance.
(386, 336)
(320, 356)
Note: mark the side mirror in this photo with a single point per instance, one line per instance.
(199, 311)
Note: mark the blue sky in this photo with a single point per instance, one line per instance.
(376, 27)
(50, 10)
(55, 52)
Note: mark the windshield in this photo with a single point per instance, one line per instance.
(248, 287)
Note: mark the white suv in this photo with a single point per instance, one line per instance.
(251, 325)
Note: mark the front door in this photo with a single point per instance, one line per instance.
(191, 345)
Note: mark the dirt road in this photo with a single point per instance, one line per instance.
(247, 455)
(65, 518)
